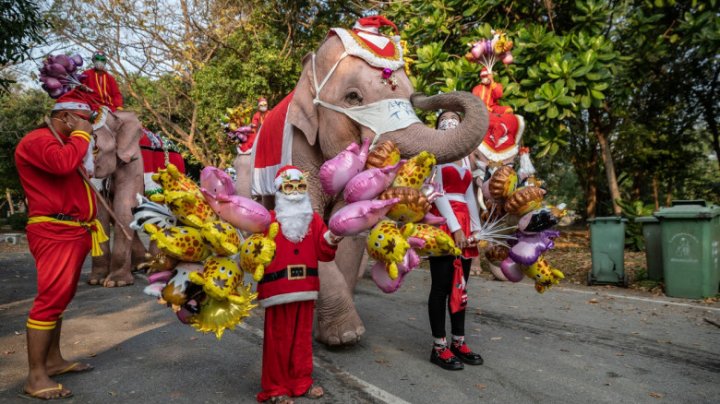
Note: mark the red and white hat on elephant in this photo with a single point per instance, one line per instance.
(365, 41)
(288, 173)
(71, 100)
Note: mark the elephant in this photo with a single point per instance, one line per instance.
(119, 172)
(320, 129)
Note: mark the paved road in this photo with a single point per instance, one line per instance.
(570, 345)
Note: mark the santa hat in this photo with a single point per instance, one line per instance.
(99, 55)
(71, 100)
(485, 72)
(373, 24)
(288, 173)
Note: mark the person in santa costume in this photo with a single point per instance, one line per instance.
(288, 291)
(62, 228)
(105, 90)
(490, 92)
(459, 209)
(257, 121)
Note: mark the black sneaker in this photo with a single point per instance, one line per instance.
(445, 359)
(463, 352)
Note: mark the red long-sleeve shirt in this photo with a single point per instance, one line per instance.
(106, 91)
(48, 174)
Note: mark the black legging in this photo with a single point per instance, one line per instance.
(441, 274)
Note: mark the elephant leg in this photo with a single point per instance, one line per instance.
(101, 264)
(138, 251)
(243, 170)
(338, 320)
(128, 181)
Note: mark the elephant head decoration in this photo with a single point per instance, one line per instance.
(354, 88)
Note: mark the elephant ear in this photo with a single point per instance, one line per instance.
(128, 137)
(302, 113)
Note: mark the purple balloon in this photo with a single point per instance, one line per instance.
(335, 173)
(370, 183)
(511, 270)
(359, 216)
(56, 93)
(77, 59)
(50, 83)
(63, 60)
(529, 247)
(56, 70)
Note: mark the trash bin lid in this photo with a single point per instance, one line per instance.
(647, 219)
(607, 219)
(689, 210)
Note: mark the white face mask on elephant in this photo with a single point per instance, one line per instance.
(387, 115)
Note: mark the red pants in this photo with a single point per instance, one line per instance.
(287, 350)
(59, 263)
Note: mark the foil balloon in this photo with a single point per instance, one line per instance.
(411, 207)
(222, 237)
(415, 171)
(529, 247)
(216, 181)
(437, 242)
(496, 271)
(370, 183)
(241, 212)
(219, 278)
(524, 200)
(511, 270)
(433, 220)
(358, 217)
(387, 244)
(380, 274)
(502, 183)
(176, 290)
(543, 274)
(383, 154)
(182, 242)
(337, 171)
(258, 251)
(537, 220)
(218, 315)
(182, 196)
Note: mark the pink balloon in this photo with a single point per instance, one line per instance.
(381, 278)
(477, 50)
(56, 70)
(241, 212)
(370, 183)
(216, 181)
(163, 277)
(359, 216)
(497, 272)
(433, 220)
(511, 270)
(507, 59)
(335, 173)
(51, 83)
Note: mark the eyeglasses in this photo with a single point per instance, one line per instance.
(289, 187)
(83, 116)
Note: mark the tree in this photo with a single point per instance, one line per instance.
(23, 28)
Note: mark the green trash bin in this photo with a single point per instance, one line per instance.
(690, 241)
(653, 246)
(607, 246)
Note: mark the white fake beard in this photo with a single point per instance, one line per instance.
(99, 65)
(294, 213)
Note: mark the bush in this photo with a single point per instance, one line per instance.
(18, 221)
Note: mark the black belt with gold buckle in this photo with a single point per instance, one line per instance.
(64, 217)
(292, 273)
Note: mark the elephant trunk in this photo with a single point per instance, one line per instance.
(447, 145)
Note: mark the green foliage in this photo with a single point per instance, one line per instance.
(17, 220)
(23, 27)
(634, 239)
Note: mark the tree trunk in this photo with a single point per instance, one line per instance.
(591, 187)
(656, 192)
(609, 165)
(669, 195)
(10, 201)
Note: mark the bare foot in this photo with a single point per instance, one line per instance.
(45, 389)
(338, 322)
(118, 280)
(314, 392)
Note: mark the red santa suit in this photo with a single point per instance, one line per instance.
(105, 90)
(61, 210)
(490, 94)
(457, 206)
(153, 150)
(288, 292)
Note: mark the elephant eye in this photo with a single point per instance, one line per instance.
(353, 98)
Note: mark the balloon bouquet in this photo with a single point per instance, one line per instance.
(488, 51)
(390, 199)
(197, 228)
(233, 124)
(523, 204)
(59, 74)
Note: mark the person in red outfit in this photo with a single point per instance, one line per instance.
(257, 121)
(288, 291)
(105, 89)
(61, 209)
(490, 92)
(459, 209)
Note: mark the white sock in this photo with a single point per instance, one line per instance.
(459, 339)
(440, 342)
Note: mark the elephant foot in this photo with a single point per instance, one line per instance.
(338, 322)
(96, 279)
(118, 280)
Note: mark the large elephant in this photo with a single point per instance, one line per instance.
(119, 172)
(334, 78)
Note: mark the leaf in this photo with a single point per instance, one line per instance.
(552, 112)
(597, 95)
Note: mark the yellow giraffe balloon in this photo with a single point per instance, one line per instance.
(258, 251)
